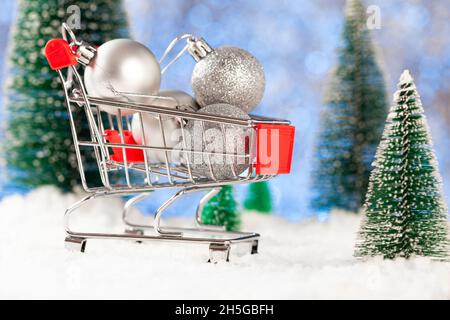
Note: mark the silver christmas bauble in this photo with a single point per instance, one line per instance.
(122, 65)
(183, 101)
(229, 75)
(153, 137)
(233, 140)
(174, 99)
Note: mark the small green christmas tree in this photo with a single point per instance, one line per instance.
(221, 210)
(352, 121)
(259, 198)
(40, 148)
(405, 214)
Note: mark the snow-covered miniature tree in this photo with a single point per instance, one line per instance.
(222, 210)
(405, 213)
(352, 121)
(259, 198)
(39, 148)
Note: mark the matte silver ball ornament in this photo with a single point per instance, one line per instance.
(150, 133)
(228, 75)
(183, 101)
(233, 140)
(122, 65)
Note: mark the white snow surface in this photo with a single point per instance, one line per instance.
(307, 260)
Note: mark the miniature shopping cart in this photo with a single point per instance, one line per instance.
(125, 169)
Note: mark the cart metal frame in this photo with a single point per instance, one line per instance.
(140, 179)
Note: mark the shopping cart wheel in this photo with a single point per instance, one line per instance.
(219, 250)
(135, 232)
(255, 247)
(75, 244)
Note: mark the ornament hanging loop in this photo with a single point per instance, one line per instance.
(83, 51)
(170, 48)
(198, 48)
(65, 29)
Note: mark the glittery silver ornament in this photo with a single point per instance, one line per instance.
(154, 138)
(233, 140)
(228, 75)
(183, 100)
(122, 65)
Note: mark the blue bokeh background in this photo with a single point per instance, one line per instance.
(296, 41)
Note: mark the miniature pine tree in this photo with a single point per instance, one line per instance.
(40, 148)
(221, 210)
(405, 213)
(352, 122)
(259, 198)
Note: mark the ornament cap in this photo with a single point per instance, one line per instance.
(85, 54)
(198, 48)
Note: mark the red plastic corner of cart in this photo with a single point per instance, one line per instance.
(59, 55)
(275, 145)
(133, 155)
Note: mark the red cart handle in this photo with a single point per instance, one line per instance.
(59, 54)
(275, 144)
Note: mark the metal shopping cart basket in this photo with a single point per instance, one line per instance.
(117, 155)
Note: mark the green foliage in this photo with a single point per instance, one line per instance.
(222, 210)
(259, 198)
(352, 122)
(40, 148)
(404, 208)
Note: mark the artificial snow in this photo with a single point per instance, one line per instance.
(310, 260)
(406, 77)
